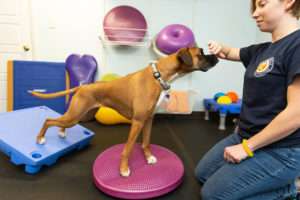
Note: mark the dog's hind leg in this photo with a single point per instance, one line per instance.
(62, 132)
(90, 115)
(73, 115)
(63, 122)
(151, 159)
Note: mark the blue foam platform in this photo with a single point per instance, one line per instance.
(18, 131)
(233, 108)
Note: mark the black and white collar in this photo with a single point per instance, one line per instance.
(164, 84)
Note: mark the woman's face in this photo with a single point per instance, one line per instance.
(268, 14)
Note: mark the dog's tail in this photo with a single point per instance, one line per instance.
(53, 95)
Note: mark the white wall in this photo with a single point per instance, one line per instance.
(262, 37)
(234, 27)
(62, 27)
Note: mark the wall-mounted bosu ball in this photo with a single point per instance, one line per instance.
(173, 37)
(124, 25)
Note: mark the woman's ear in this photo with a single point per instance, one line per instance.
(289, 4)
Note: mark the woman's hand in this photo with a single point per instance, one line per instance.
(235, 153)
(216, 49)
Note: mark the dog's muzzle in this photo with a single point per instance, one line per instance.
(212, 60)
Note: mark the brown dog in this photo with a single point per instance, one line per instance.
(134, 96)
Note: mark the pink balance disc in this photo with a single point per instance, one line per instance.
(145, 181)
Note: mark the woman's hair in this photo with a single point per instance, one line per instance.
(295, 9)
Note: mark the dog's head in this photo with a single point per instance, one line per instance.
(193, 59)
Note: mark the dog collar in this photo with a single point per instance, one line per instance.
(165, 85)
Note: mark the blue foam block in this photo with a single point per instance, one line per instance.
(18, 131)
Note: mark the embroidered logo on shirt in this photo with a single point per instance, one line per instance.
(264, 67)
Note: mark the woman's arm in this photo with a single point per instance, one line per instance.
(223, 51)
(284, 124)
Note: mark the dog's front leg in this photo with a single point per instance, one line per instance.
(136, 127)
(146, 141)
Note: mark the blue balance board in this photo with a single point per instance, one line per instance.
(18, 131)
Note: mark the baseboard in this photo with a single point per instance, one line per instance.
(196, 115)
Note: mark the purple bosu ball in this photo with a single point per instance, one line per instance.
(145, 181)
(173, 37)
(125, 25)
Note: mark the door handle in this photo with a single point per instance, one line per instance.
(26, 48)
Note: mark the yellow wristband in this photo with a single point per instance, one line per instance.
(247, 149)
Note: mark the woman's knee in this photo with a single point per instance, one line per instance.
(205, 193)
(209, 193)
(200, 173)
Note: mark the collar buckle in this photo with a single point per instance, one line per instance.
(165, 85)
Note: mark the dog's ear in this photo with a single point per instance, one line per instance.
(185, 57)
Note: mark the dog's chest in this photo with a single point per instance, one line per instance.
(162, 100)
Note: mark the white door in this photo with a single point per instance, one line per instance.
(15, 39)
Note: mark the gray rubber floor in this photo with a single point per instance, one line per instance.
(189, 136)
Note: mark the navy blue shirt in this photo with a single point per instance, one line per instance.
(270, 69)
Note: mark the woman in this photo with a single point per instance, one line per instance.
(262, 160)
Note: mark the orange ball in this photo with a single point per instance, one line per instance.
(233, 96)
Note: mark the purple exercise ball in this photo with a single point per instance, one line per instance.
(125, 24)
(173, 37)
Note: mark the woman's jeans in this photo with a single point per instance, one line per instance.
(270, 174)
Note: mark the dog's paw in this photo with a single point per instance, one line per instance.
(41, 140)
(125, 173)
(151, 160)
(62, 134)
